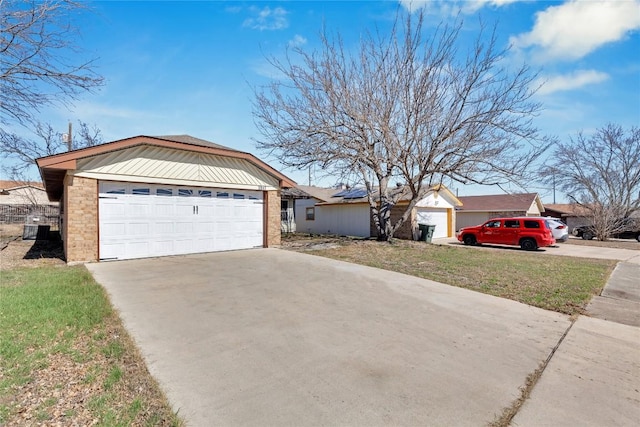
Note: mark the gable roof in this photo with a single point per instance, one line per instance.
(568, 209)
(12, 185)
(188, 139)
(54, 168)
(500, 202)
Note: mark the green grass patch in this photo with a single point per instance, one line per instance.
(60, 316)
(557, 283)
(43, 310)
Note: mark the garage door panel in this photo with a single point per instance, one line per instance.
(138, 229)
(162, 247)
(164, 209)
(437, 217)
(184, 227)
(164, 220)
(163, 227)
(138, 209)
(137, 248)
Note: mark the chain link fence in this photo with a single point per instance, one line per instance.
(30, 214)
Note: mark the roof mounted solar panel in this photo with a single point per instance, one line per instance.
(355, 193)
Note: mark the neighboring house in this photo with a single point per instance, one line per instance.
(288, 198)
(166, 195)
(347, 212)
(26, 202)
(479, 209)
(23, 193)
(571, 214)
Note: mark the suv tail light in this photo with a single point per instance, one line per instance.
(561, 227)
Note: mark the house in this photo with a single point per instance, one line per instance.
(23, 193)
(571, 214)
(149, 196)
(478, 209)
(344, 211)
(288, 197)
(24, 202)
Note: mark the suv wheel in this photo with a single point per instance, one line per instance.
(638, 237)
(587, 235)
(469, 239)
(528, 244)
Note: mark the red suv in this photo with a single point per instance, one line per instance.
(528, 233)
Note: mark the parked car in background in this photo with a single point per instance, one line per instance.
(587, 232)
(559, 229)
(530, 233)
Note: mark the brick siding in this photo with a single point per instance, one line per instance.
(273, 223)
(80, 232)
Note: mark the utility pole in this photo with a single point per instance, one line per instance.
(70, 138)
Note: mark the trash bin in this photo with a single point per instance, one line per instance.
(426, 232)
(430, 230)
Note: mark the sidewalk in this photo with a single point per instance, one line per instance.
(620, 300)
(593, 378)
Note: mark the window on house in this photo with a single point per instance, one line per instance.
(141, 191)
(311, 214)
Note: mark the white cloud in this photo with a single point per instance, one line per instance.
(297, 41)
(267, 18)
(451, 7)
(575, 80)
(576, 28)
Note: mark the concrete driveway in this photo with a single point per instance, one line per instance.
(271, 337)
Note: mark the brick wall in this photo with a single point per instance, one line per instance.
(407, 230)
(80, 232)
(272, 229)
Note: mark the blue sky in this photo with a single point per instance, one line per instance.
(189, 67)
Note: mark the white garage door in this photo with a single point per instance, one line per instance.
(145, 220)
(437, 217)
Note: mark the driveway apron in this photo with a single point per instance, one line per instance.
(272, 337)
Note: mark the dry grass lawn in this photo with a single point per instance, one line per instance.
(555, 283)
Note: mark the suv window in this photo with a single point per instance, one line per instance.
(512, 223)
(493, 224)
(531, 224)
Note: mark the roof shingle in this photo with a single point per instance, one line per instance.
(498, 202)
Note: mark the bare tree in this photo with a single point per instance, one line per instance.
(39, 63)
(407, 108)
(22, 151)
(600, 173)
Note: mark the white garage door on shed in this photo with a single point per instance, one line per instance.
(147, 220)
(434, 216)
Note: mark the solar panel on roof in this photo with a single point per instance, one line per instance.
(352, 193)
(356, 193)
